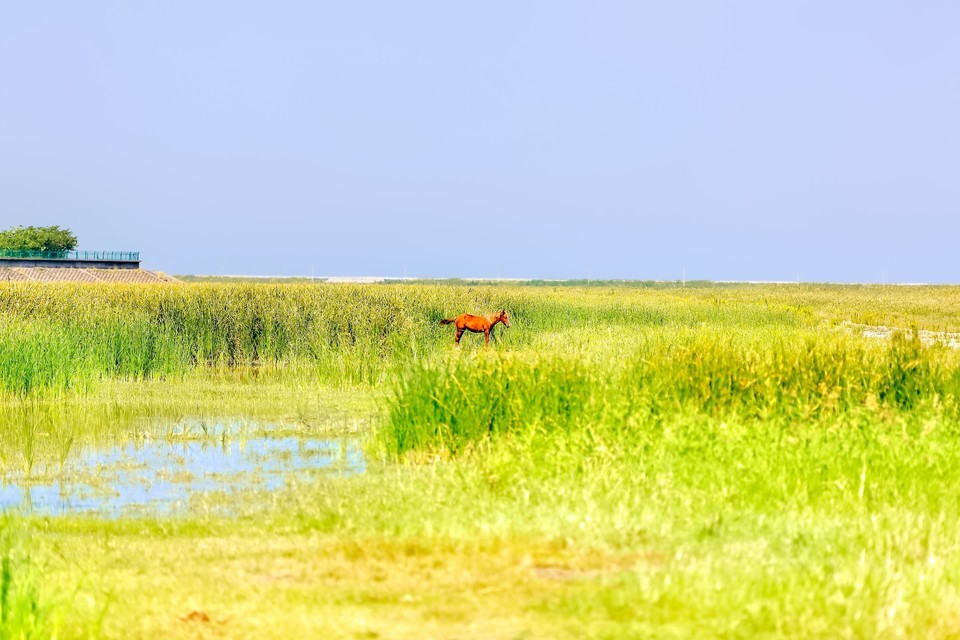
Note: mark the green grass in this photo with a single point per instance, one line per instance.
(785, 378)
(624, 461)
(26, 611)
(692, 527)
(700, 527)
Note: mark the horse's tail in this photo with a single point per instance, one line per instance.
(448, 321)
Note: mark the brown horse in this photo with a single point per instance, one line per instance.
(476, 324)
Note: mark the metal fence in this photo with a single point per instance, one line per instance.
(111, 256)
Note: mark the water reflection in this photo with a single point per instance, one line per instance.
(160, 477)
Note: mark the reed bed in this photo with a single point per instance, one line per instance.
(65, 336)
(68, 336)
(643, 461)
(454, 405)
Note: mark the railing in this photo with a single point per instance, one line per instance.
(111, 256)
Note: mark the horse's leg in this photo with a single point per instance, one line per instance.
(486, 337)
(459, 334)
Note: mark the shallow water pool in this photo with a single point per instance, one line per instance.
(168, 475)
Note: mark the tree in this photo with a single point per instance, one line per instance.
(37, 239)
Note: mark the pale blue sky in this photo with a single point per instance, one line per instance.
(769, 140)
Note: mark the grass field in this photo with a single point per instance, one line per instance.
(627, 460)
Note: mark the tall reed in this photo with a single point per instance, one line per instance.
(60, 336)
(451, 406)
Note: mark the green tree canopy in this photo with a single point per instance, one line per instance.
(37, 239)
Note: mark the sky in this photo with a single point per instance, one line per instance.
(790, 140)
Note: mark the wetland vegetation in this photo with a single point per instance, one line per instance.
(626, 460)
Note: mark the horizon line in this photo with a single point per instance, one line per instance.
(381, 279)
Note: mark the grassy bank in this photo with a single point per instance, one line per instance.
(694, 527)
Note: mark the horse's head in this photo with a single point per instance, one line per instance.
(502, 317)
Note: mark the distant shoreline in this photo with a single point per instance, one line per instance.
(546, 281)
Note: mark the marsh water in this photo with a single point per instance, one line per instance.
(187, 468)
